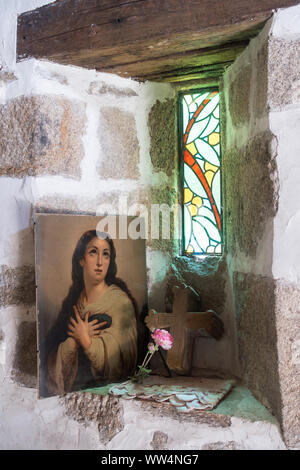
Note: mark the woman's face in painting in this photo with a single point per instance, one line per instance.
(96, 260)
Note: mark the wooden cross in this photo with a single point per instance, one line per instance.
(184, 326)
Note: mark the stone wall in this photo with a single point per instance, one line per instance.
(41, 135)
(284, 116)
(73, 140)
(260, 148)
(65, 151)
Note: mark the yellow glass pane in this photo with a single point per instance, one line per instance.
(209, 176)
(192, 148)
(197, 201)
(214, 138)
(209, 166)
(188, 195)
(190, 249)
(193, 209)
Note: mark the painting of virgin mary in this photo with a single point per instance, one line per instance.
(93, 339)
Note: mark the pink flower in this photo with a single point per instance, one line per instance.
(163, 339)
(151, 347)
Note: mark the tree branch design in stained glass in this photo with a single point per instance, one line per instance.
(201, 173)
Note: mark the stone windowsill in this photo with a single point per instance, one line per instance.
(239, 403)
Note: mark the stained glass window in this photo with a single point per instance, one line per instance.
(201, 175)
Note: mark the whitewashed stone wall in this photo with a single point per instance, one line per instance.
(71, 139)
(60, 152)
(261, 170)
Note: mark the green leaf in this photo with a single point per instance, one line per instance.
(142, 369)
(213, 123)
(197, 128)
(210, 107)
(187, 227)
(207, 152)
(210, 228)
(200, 235)
(216, 189)
(206, 212)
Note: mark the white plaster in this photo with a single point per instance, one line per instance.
(185, 435)
(256, 435)
(92, 149)
(157, 264)
(2, 354)
(16, 241)
(286, 250)
(31, 424)
(286, 23)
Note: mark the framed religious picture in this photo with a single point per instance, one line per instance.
(91, 298)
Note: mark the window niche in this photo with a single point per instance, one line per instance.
(207, 274)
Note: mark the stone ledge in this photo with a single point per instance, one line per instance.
(239, 403)
(51, 427)
(194, 416)
(238, 422)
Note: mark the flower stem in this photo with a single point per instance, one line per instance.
(148, 360)
(146, 357)
(156, 348)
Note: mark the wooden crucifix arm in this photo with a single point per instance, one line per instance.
(159, 320)
(209, 321)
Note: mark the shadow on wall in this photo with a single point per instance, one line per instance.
(209, 278)
(255, 301)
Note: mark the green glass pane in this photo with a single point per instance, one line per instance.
(185, 114)
(211, 127)
(197, 129)
(207, 152)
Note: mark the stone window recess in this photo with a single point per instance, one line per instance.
(200, 157)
